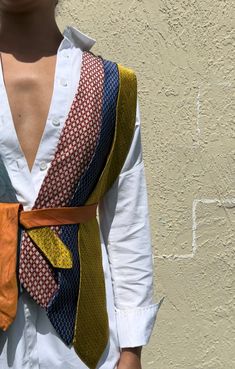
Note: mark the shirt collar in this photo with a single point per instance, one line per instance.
(75, 37)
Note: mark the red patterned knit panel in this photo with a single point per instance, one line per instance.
(74, 152)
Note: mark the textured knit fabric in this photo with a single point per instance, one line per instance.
(73, 154)
(75, 150)
(32, 341)
(62, 315)
(93, 322)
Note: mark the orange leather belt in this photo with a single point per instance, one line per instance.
(56, 216)
(11, 215)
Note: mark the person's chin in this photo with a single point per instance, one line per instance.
(17, 6)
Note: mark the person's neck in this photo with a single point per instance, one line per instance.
(28, 35)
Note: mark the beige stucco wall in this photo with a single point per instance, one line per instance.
(183, 56)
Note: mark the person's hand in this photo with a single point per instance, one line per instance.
(130, 358)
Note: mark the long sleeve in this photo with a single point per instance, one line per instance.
(124, 221)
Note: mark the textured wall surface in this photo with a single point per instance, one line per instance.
(183, 54)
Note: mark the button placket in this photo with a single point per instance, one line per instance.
(57, 115)
(55, 122)
(63, 82)
(43, 165)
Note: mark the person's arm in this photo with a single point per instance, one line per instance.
(124, 221)
(130, 358)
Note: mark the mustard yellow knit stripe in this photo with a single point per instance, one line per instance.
(52, 247)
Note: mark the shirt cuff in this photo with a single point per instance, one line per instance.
(135, 325)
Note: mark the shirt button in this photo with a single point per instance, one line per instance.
(43, 165)
(63, 82)
(55, 122)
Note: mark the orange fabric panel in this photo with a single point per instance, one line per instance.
(9, 213)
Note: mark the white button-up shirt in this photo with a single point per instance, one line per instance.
(31, 341)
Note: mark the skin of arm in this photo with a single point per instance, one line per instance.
(130, 358)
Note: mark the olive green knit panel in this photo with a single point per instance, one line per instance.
(92, 330)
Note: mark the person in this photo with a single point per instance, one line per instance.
(40, 76)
